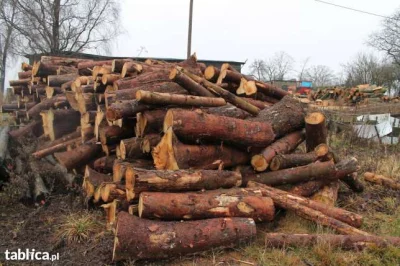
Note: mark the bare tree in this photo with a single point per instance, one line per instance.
(258, 69)
(320, 75)
(8, 36)
(388, 38)
(303, 69)
(283, 64)
(66, 25)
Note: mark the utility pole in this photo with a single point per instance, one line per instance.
(189, 45)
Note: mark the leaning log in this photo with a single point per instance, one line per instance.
(55, 148)
(79, 156)
(204, 205)
(382, 180)
(123, 109)
(58, 101)
(35, 127)
(316, 130)
(137, 238)
(284, 145)
(130, 94)
(192, 86)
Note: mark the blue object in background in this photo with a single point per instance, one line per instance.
(306, 84)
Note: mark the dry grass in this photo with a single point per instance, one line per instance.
(80, 227)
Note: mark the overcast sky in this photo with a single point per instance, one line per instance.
(240, 30)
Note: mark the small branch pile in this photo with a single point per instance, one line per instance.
(159, 143)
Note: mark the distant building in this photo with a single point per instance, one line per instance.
(216, 63)
(293, 85)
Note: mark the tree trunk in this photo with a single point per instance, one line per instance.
(171, 154)
(123, 109)
(319, 170)
(130, 94)
(316, 131)
(284, 145)
(285, 161)
(199, 125)
(104, 164)
(140, 180)
(149, 122)
(190, 85)
(352, 242)
(204, 205)
(145, 79)
(284, 117)
(348, 217)
(111, 210)
(382, 180)
(46, 105)
(155, 98)
(79, 156)
(309, 213)
(137, 238)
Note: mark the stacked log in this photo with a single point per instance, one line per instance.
(179, 141)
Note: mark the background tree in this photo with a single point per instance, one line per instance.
(388, 38)
(258, 69)
(275, 68)
(303, 68)
(320, 75)
(8, 36)
(65, 25)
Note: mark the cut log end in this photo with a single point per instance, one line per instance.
(168, 121)
(322, 150)
(210, 73)
(173, 73)
(163, 153)
(259, 163)
(315, 118)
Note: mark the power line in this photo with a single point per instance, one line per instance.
(356, 10)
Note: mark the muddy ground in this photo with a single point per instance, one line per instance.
(25, 224)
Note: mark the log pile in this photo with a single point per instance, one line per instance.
(158, 143)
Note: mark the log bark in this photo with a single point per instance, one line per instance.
(21, 82)
(52, 91)
(139, 180)
(228, 96)
(119, 168)
(131, 148)
(114, 134)
(93, 179)
(104, 164)
(25, 74)
(284, 117)
(190, 85)
(149, 122)
(284, 145)
(343, 215)
(155, 98)
(270, 90)
(149, 142)
(204, 205)
(285, 161)
(316, 130)
(319, 170)
(85, 68)
(111, 210)
(79, 156)
(145, 79)
(58, 101)
(199, 125)
(9, 108)
(55, 148)
(58, 80)
(308, 188)
(123, 109)
(130, 94)
(61, 122)
(348, 242)
(109, 79)
(66, 70)
(311, 214)
(171, 154)
(43, 70)
(228, 110)
(35, 127)
(4, 142)
(382, 180)
(137, 238)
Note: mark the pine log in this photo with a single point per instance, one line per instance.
(87, 132)
(285, 161)
(52, 91)
(20, 82)
(260, 104)
(131, 148)
(79, 156)
(117, 64)
(99, 71)
(149, 122)
(108, 79)
(62, 61)
(211, 73)
(155, 98)
(43, 70)
(26, 67)
(20, 90)
(111, 210)
(284, 117)
(306, 212)
(104, 164)
(61, 122)
(55, 148)
(171, 154)
(382, 180)
(328, 194)
(119, 168)
(93, 179)
(205, 205)
(85, 89)
(4, 136)
(9, 108)
(148, 78)
(284, 145)
(343, 215)
(308, 188)
(199, 125)
(139, 180)
(35, 127)
(270, 90)
(86, 102)
(25, 74)
(56, 101)
(130, 68)
(114, 134)
(66, 70)
(37, 89)
(228, 96)
(137, 238)
(347, 242)
(149, 142)
(316, 130)
(228, 110)
(190, 85)
(81, 81)
(85, 68)
(123, 109)
(319, 170)
(58, 80)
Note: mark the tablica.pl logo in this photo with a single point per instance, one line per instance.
(30, 254)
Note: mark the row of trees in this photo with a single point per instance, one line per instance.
(55, 26)
(363, 68)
